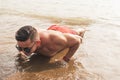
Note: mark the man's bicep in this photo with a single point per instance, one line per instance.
(72, 40)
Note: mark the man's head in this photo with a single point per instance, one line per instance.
(25, 33)
(26, 39)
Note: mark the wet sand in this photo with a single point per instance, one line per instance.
(39, 67)
(43, 68)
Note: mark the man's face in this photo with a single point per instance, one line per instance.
(27, 47)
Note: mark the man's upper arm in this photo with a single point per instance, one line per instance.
(72, 39)
(65, 39)
(58, 38)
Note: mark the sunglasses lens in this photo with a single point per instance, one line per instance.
(18, 48)
(27, 50)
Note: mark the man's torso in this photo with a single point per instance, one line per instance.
(49, 45)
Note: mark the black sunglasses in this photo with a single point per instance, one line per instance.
(27, 49)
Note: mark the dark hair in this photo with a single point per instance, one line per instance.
(25, 32)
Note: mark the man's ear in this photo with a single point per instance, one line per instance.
(38, 43)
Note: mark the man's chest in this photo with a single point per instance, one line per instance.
(51, 48)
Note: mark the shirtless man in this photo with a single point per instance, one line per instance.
(48, 42)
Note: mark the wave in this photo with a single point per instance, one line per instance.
(56, 19)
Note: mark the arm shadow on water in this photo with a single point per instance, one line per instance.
(36, 63)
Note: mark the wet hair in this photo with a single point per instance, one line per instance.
(25, 32)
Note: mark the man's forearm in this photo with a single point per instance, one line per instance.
(71, 52)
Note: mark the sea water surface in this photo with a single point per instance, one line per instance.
(98, 57)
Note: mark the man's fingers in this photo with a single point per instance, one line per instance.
(61, 63)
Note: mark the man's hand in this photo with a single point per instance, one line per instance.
(61, 63)
(23, 57)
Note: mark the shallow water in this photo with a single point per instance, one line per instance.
(97, 58)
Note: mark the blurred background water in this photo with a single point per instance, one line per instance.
(98, 57)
